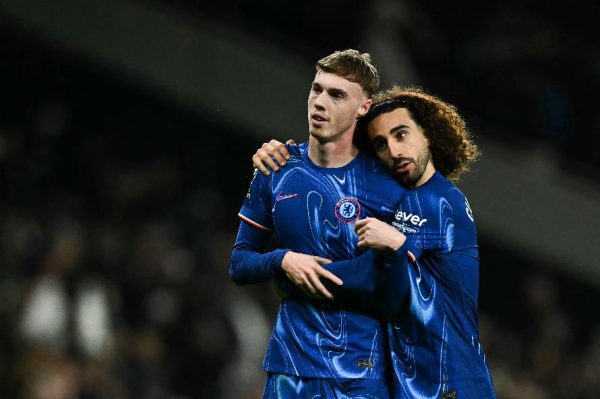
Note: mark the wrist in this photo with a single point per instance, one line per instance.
(396, 243)
(280, 267)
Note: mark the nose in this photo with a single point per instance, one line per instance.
(319, 101)
(396, 149)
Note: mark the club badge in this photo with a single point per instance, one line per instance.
(347, 210)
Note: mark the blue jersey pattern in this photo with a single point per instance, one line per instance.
(434, 341)
(312, 210)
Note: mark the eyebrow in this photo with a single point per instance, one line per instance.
(330, 90)
(399, 127)
(337, 91)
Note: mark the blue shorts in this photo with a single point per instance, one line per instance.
(282, 386)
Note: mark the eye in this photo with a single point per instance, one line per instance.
(379, 144)
(337, 94)
(400, 135)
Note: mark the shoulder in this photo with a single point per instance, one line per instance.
(440, 189)
(296, 151)
(448, 193)
(379, 177)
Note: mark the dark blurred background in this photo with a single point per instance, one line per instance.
(126, 131)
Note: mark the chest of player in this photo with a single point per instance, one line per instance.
(316, 211)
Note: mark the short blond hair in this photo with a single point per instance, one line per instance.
(353, 66)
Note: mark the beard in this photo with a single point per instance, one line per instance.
(410, 178)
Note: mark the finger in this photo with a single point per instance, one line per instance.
(320, 288)
(362, 230)
(360, 223)
(322, 261)
(266, 158)
(284, 151)
(277, 150)
(258, 164)
(291, 142)
(362, 243)
(331, 277)
(308, 285)
(274, 152)
(275, 143)
(279, 157)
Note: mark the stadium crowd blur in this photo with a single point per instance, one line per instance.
(118, 212)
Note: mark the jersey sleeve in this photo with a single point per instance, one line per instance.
(395, 280)
(380, 275)
(360, 276)
(248, 263)
(256, 208)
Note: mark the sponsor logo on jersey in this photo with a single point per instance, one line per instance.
(365, 363)
(404, 228)
(347, 210)
(406, 217)
(281, 196)
(408, 223)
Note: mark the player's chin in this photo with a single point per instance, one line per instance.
(407, 179)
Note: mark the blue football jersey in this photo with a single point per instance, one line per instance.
(434, 340)
(312, 210)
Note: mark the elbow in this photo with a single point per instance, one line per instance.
(234, 271)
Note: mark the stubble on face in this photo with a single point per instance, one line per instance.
(414, 175)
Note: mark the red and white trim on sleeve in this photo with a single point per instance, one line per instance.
(253, 223)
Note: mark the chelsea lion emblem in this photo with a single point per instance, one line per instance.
(347, 210)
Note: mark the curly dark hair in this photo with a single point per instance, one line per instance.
(450, 142)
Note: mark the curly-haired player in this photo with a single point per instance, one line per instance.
(431, 300)
(449, 140)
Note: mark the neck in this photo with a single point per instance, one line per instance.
(429, 172)
(332, 154)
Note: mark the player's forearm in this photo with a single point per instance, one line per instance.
(359, 274)
(248, 263)
(395, 281)
(248, 266)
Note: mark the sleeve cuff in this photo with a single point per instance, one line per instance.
(277, 262)
(408, 250)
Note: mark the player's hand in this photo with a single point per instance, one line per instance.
(306, 272)
(273, 154)
(373, 233)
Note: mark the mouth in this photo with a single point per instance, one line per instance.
(317, 120)
(402, 167)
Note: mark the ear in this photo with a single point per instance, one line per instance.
(364, 108)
